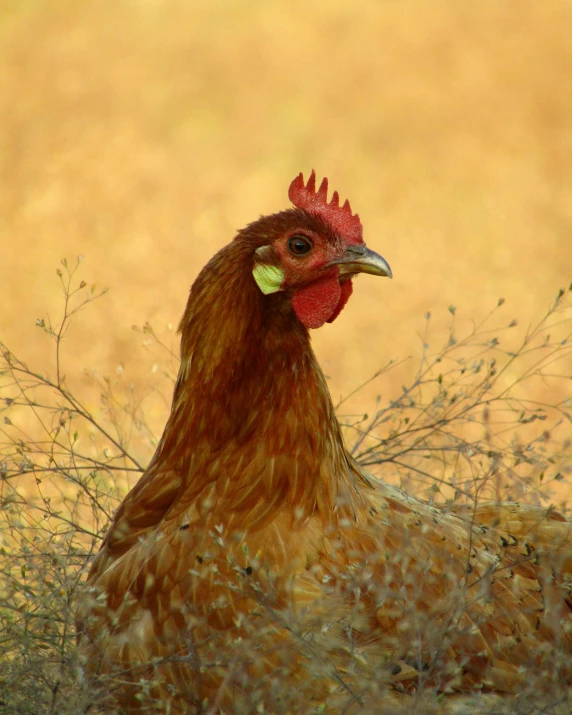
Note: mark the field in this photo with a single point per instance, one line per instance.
(141, 135)
(144, 136)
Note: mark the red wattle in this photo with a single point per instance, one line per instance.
(346, 290)
(321, 301)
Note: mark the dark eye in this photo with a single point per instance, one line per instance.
(300, 245)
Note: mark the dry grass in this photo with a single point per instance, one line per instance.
(142, 134)
(461, 432)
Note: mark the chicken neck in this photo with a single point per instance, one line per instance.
(252, 417)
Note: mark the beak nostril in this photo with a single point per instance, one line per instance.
(355, 250)
(360, 259)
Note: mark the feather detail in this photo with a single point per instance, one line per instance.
(256, 566)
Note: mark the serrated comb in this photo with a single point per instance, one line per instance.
(340, 218)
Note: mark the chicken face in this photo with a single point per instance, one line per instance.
(314, 258)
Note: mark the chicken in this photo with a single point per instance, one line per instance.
(256, 567)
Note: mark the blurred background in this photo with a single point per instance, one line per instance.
(142, 134)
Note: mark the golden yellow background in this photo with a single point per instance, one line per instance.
(143, 133)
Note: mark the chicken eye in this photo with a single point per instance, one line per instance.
(300, 245)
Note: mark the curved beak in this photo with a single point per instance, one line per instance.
(359, 259)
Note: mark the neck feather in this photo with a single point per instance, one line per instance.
(252, 419)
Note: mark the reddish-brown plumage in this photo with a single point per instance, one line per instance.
(253, 526)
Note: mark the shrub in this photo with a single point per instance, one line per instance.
(486, 416)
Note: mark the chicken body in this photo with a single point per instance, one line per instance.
(255, 567)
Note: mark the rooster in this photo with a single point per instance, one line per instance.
(256, 567)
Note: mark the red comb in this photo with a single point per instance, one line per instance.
(339, 217)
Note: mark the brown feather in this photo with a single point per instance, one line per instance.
(253, 527)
